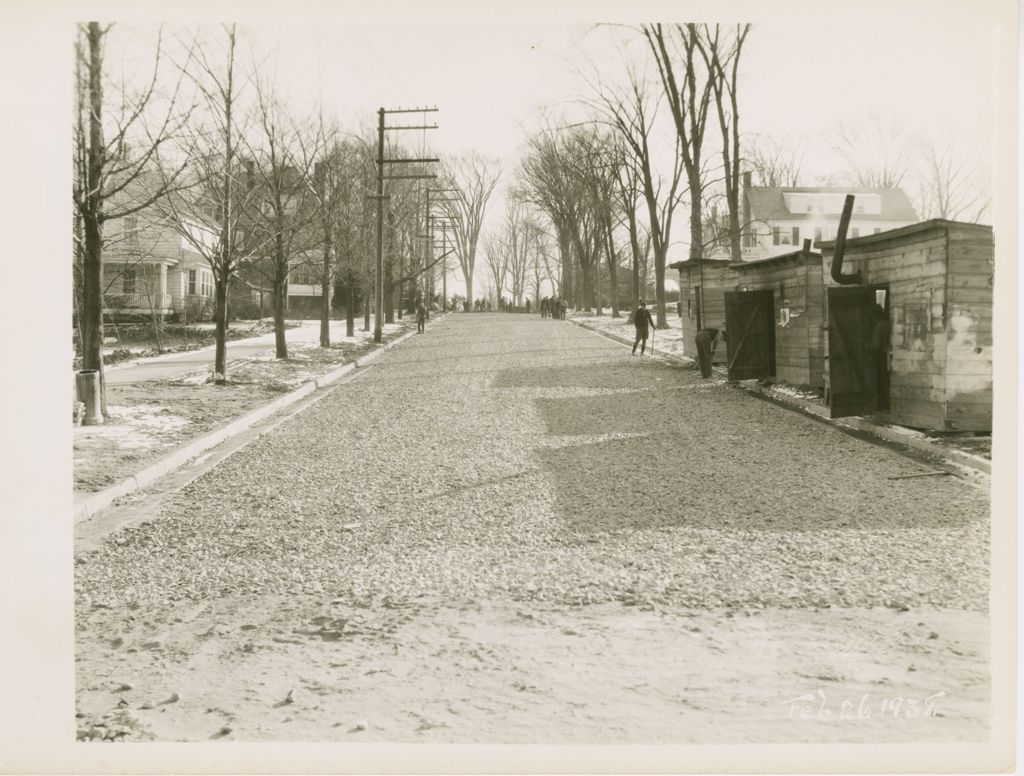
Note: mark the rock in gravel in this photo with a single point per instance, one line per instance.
(174, 698)
(358, 727)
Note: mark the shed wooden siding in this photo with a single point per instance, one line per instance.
(939, 276)
(969, 285)
(719, 277)
(797, 283)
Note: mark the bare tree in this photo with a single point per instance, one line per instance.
(212, 220)
(632, 113)
(548, 184)
(520, 236)
(472, 179)
(775, 164)
(874, 150)
(688, 86)
(108, 172)
(279, 211)
(496, 259)
(949, 186)
(330, 189)
(721, 59)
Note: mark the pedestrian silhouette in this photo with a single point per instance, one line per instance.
(643, 322)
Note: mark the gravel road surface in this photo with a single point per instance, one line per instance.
(511, 530)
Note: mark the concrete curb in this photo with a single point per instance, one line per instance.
(821, 412)
(89, 505)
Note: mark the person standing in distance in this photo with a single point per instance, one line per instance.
(421, 317)
(643, 322)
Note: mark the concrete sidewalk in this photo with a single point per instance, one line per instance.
(171, 365)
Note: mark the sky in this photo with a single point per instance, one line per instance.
(495, 82)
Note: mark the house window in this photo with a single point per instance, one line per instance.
(877, 230)
(796, 235)
(192, 282)
(855, 231)
(817, 234)
(207, 281)
(128, 282)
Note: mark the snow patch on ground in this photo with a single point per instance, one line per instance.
(910, 432)
(666, 341)
(789, 390)
(135, 427)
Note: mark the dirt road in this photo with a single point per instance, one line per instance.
(509, 530)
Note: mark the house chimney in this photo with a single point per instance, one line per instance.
(746, 180)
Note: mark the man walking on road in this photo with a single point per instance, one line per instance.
(707, 340)
(643, 322)
(421, 318)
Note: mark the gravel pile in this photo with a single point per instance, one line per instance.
(509, 456)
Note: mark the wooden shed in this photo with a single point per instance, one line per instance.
(776, 319)
(934, 282)
(714, 277)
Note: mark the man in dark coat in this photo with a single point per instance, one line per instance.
(643, 322)
(707, 341)
(421, 317)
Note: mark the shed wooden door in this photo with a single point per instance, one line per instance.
(750, 334)
(850, 365)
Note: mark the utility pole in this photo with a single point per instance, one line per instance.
(430, 246)
(444, 267)
(378, 324)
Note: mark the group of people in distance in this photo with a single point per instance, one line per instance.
(550, 307)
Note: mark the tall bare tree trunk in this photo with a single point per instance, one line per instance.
(613, 266)
(366, 307)
(565, 290)
(92, 221)
(280, 295)
(659, 284)
(350, 307)
(327, 286)
(220, 317)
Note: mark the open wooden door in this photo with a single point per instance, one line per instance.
(851, 366)
(750, 338)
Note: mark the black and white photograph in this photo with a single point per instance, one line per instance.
(610, 379)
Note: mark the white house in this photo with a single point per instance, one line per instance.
(779, 219)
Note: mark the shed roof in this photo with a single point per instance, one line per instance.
(808, 257)
(904, 231)
(767, 202)
(687, 263)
